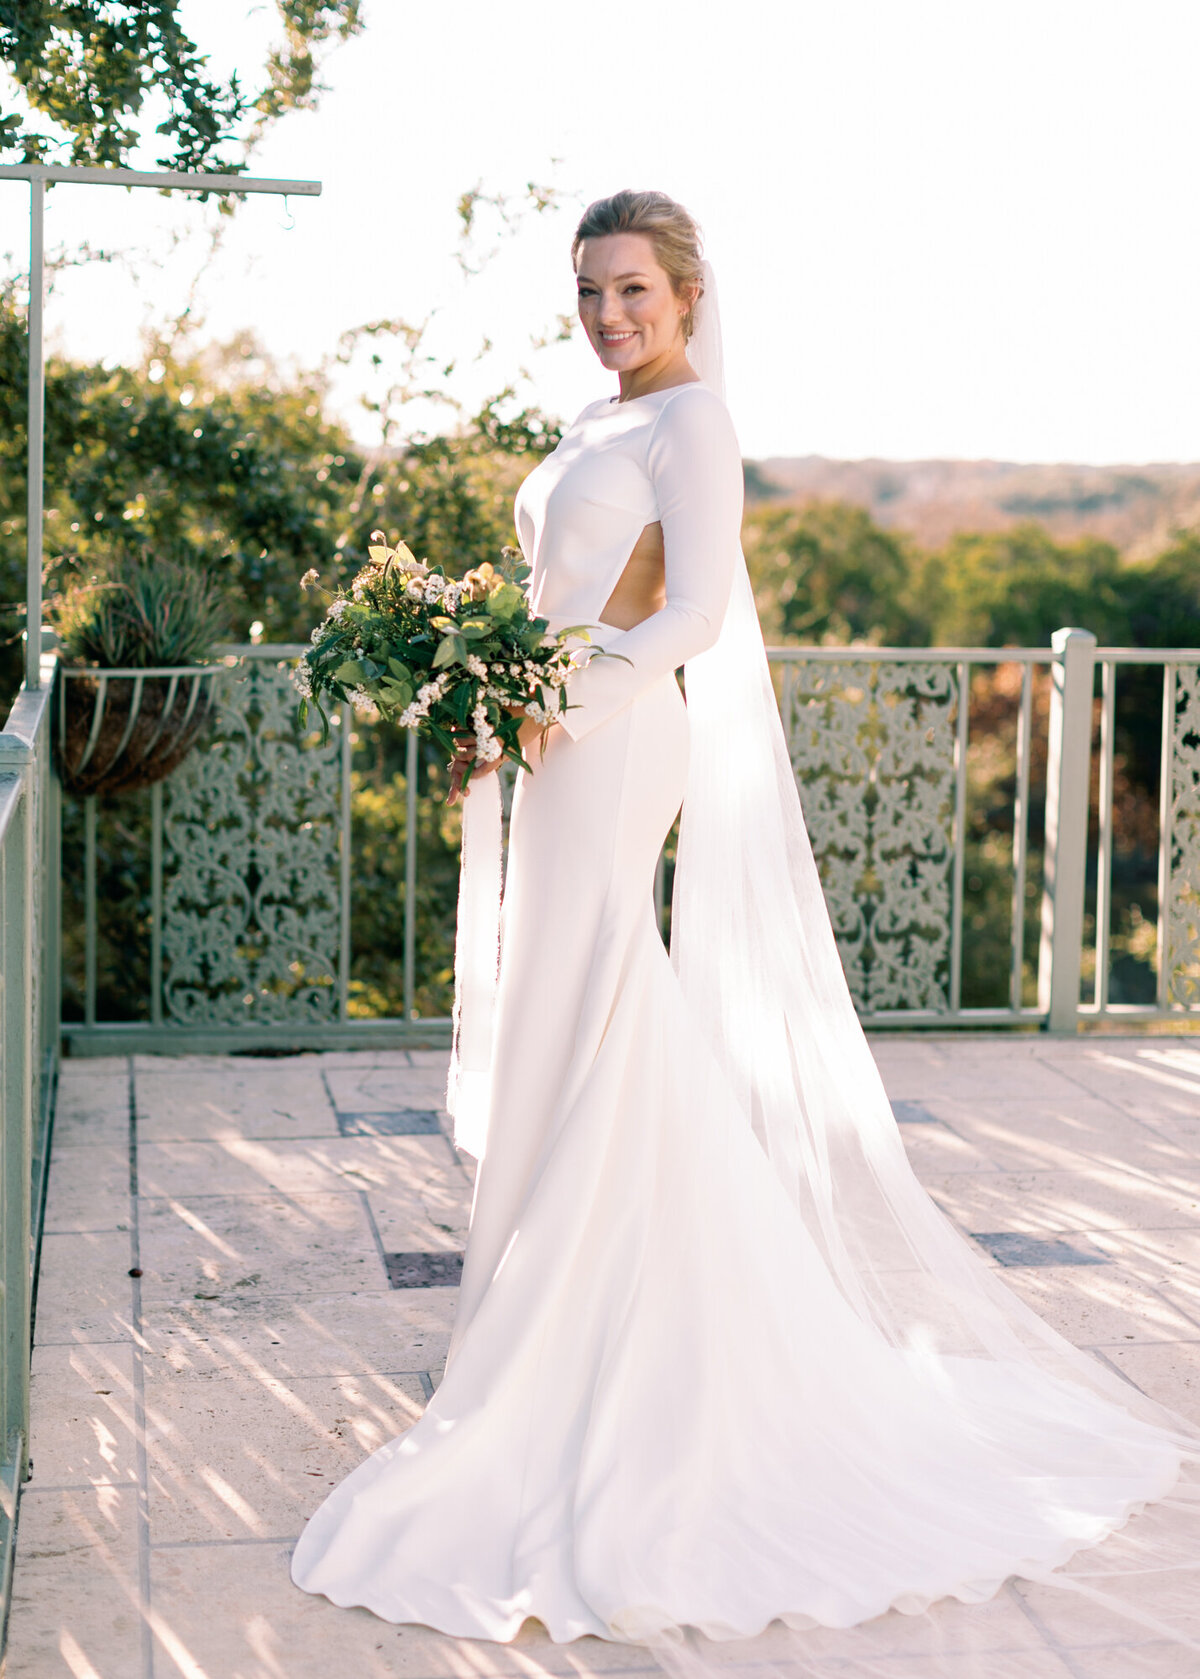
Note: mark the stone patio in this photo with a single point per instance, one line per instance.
(248, 1283)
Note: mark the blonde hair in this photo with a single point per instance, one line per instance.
(673, 233)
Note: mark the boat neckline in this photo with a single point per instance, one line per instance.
(662, 391)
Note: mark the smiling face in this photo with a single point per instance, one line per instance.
(629, 309)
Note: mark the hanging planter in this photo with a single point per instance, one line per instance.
(119, 730)
(136, 687)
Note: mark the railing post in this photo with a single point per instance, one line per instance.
(18, 884)
(1068, 765)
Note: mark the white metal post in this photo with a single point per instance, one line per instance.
(40, 176)
(1068, 763)
(35, 451)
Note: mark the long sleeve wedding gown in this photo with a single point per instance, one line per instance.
(717, 1358)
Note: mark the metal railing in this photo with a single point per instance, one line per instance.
(1177, 925)
(29, 1001)
(886, 744)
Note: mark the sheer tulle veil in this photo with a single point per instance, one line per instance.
(759, 968)
(757, 960)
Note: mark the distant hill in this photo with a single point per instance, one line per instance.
(1134, 507)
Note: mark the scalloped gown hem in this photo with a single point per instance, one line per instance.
(659, 1410)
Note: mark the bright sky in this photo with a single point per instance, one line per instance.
(940, 228)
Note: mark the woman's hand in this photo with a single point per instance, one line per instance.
(528, 734)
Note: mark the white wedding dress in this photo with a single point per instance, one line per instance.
(718, 1360)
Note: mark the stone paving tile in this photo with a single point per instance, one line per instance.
(974, 1076)
(233, 1066)
(88, 1066)
(1103, 1197)
(1149, 1081)
(1053, 1134)
(1097, 1306)
(89, 1189)
(1134, 1661)
(243, 1457)
(269, 1630)
(204, 1246)
(1168, 1372)
(313, 1335)
(417, 1192)
(933, 1148)
(84, 1291)
(357, 1059)
(1074, 1622)
(75, 1607)
(372, 1089)
(271, 1100)
(83, 1410)
(91, 1108)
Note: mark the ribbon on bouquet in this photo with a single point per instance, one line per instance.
(476, 964)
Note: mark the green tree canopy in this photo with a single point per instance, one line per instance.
(825, 572)
(89, 68)
(215, 458)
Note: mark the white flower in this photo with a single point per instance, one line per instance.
(302, 678)
(337, 610)
(310, 578)
(363, 703)
(415, 589)
(450, 597)
(477, 667)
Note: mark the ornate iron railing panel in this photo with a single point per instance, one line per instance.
(1181, 849)
(874, 748)
(253, 902)
(1176, 928)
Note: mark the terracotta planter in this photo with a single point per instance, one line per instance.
(124, 729)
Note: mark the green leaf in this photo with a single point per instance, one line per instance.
(446, 654)
(351, 673)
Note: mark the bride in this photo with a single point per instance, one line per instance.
(718, 1360)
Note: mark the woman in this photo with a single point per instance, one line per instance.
(718, 1359)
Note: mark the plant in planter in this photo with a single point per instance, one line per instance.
(136, 686)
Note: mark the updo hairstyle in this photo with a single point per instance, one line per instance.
(670, 229)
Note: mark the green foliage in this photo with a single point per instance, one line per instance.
(378, 834)
(143, 613)
(1015, 587)
(217, 455)
(826, 573)
(90, 67)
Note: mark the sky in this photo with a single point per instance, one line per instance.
(940, 228)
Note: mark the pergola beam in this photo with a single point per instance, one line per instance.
(166, 180)
(40, 176)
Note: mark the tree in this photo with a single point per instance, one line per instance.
(1014, 588)
(825, 572)
(90, 68)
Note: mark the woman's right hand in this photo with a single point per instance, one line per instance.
(530, 734)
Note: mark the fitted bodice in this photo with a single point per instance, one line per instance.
(580, 512)
(670, 456)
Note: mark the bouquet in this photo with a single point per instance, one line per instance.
(449, 657)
